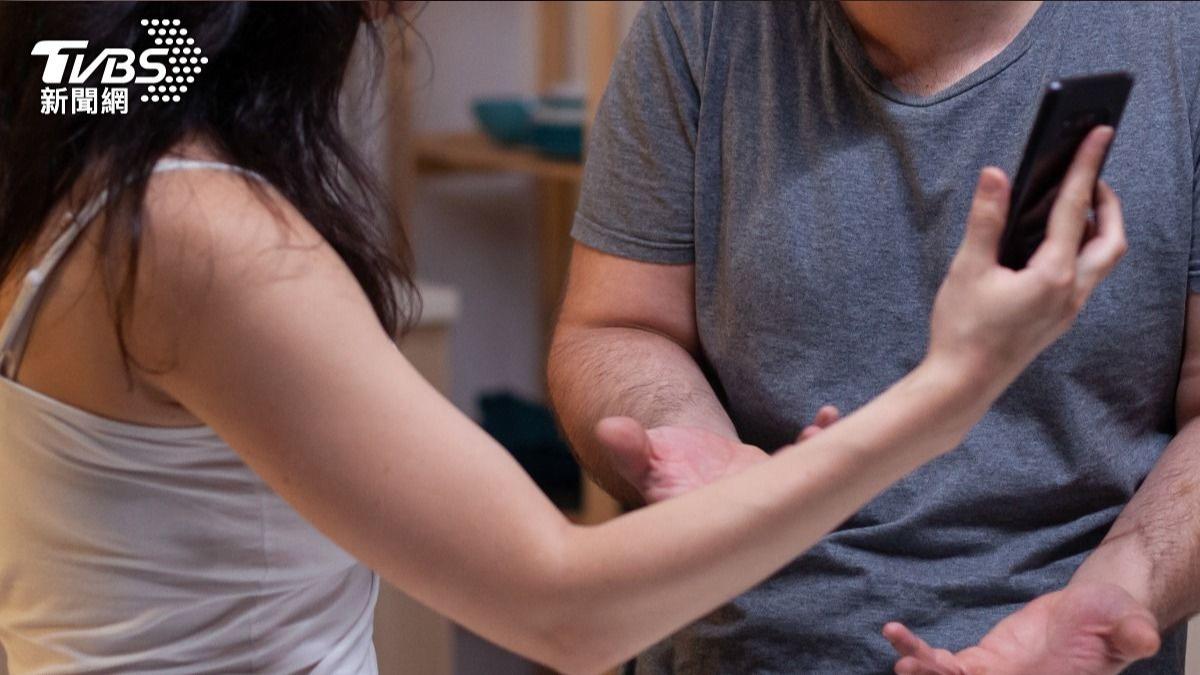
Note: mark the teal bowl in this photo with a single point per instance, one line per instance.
(561, 141)
(504, 120)
(558, 127)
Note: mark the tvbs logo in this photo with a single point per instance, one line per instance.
(118, 63)
(166, 70)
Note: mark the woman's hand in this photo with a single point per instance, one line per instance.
(990, 321)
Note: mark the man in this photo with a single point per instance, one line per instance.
(773, 194)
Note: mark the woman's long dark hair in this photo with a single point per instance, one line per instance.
(268, 98)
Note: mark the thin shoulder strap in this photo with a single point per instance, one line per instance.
(14, 332)
(180, 164)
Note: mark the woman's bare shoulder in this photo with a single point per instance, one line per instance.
(211, 237)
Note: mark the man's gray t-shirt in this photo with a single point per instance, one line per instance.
(821, 207)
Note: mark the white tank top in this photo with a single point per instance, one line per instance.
(127, 548)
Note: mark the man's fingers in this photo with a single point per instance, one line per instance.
(1068, 216)
(917, 657)
(825, 417)
(904, 641)
(1101, 253)
(911, 665)
(1135, 637)
(810, 431)
(629, 445)
(985, 222)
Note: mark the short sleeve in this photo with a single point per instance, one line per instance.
(638, 188)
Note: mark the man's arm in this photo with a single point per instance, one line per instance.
(1153, 550)
(626, 345)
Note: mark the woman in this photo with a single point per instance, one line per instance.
(205, 424)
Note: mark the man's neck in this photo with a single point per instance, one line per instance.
(924, 47)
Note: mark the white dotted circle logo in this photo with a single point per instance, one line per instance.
(184, 61)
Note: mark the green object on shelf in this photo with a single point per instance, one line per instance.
(557, 126)
(505, 120)
(551, 125)
(558, 140)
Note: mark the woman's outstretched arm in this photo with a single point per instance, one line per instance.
(268, 338)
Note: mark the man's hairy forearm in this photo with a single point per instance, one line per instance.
(598, 372)
(1153, 549)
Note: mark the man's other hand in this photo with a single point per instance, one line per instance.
(1084, 629)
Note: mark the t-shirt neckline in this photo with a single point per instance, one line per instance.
(853, 54)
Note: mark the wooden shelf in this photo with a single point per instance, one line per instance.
(473, 151)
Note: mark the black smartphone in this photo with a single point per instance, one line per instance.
(1071, 107)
